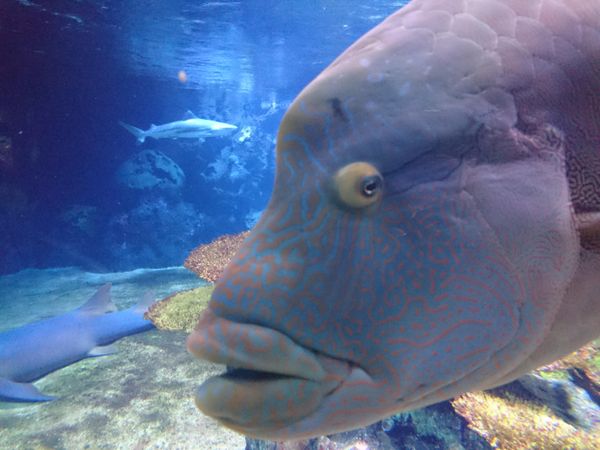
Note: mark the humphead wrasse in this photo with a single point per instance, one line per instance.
(434, 226)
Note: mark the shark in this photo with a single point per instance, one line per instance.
(191, 127)
(34, 350)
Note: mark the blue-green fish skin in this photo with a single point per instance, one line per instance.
(433, 227)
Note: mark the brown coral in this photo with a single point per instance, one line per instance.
(209, 260)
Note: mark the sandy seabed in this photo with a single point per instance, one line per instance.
(138, 398)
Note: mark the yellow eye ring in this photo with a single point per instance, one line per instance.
(358, 185)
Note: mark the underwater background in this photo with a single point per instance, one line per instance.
(73, 187)
(83, 204)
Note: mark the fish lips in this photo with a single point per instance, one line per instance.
(270, 383)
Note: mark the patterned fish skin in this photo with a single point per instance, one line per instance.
(421, 238)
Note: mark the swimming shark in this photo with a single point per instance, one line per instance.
(190, 128)
(32, 351)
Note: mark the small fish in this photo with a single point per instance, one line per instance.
(32, 351)
(434, 226)
(190, 128)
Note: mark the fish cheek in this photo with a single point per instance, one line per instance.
(447, 301)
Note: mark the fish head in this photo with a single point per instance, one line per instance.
(417, 243)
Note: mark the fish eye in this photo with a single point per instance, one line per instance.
(358, 185)
(371, 185)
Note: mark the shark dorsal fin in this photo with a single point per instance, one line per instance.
(144, 304)
(100, 302)
(189, 115)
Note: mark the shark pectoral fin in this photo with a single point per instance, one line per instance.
(102, 350)
(201, 140)
(11, 391)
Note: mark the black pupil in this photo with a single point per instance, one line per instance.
(370, 185)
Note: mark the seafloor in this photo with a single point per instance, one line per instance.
(138, 398)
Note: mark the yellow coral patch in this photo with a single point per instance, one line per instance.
(180, 311)
(511, 424)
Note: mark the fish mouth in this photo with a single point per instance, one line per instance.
(270, 382)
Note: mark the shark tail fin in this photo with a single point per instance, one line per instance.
(12, 391)
(139, 134)
(100, 302)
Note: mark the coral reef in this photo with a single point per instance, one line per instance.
(509, 423)
(568, 401)
(556, 407)
(81, 218)
(180, 311)
(252, 218)
(434, 427)
(208, 260)
(150, 169)
(157, 231)
(586, 360)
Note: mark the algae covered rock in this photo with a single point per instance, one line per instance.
(180, 311)
(150, 169)
(555, 407)
(567, 400)
(509, 423)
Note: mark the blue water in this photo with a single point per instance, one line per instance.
(70, 70)
(72, 219)
(69, 222)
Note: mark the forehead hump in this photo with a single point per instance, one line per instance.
(419, 78)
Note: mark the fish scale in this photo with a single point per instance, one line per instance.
(435, 217)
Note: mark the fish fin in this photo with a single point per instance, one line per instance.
(11, 391)
(100, 302)
(201, 140)
(588, 226)
(102, 350)
(189, 115)
(144, 304)
(139, 134)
